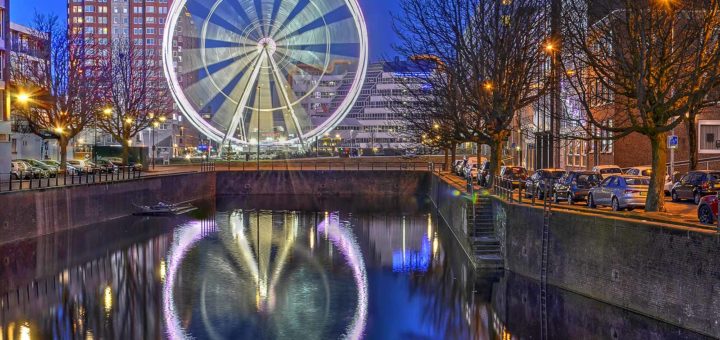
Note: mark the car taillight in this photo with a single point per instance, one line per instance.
(706, 185)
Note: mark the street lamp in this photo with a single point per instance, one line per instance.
(155, 125)
(23, 97)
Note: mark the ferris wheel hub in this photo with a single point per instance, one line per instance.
(268, 44)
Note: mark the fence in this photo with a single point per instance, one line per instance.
(31, 180)
(326, 166)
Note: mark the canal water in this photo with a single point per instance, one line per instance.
(238, 270)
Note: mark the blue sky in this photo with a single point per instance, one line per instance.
(377, 16)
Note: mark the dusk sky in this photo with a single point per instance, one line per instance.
(377, 16)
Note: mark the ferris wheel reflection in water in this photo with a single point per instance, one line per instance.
(263, 247)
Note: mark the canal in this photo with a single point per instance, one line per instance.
(261, 268)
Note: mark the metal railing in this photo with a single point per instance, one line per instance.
(31, 180)
(503, 188)
(330, 166)
(207, 166)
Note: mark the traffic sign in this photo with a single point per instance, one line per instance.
(673, 142)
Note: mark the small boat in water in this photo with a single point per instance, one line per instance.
(163, 209)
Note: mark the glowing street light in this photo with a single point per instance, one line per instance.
(23, 97)
(549, 47)
(107, 111)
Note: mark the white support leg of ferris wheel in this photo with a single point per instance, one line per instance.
(286, 97)
(239, 118)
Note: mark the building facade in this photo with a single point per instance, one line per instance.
(374, 122)
(5, 122)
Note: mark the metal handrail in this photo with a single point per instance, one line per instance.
(327, 166)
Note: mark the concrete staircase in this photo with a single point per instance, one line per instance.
(485, 244)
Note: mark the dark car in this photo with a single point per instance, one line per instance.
(575, 185)
(696, 184)
(536, 184)
(516, 174)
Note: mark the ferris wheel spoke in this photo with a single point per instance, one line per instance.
(259, 14)
(297, 9)
(338, 14)
(222, 65)
(273, 16)
(282, 84)
(240, 11)
(238, 117)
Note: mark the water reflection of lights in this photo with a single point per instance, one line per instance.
(108, 299)
(343, 238)
(25, 331)
(186, 237)
(163, 270)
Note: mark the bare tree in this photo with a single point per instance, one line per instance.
(58, 94)
(134, 92)
(426, 108)
(639, 67)
(491, 52)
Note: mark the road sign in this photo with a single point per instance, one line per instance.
(673, 142)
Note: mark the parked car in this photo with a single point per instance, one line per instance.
(69, 169)
(455, 168)
(670, 181)
(535, 184)
(639, 171)
(467, 167)
(484, 173)
(50, 170)
(696, 184)
(620, 192)
(136, 166)
(20, 170)
(607, 170)
(85, 167)
(708, 209)
(472, 171)
(36, 172)
(516, 174)
(575, 186)
(106, 166)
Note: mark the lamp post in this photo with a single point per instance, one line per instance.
(154, 148)
(258, 130)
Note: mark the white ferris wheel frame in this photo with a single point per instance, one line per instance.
(218, 136)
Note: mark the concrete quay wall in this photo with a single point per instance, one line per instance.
(324, 183)
(664, 272)
(41, 212)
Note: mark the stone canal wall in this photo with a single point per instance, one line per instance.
(45, 211)
(452, 207)
(665, 272)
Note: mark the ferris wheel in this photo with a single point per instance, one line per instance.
(270, 72)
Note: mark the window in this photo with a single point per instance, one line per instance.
(709, 136)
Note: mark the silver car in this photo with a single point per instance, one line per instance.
(620, 192)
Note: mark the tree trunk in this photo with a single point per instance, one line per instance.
(453, 153)
(125, 152)
(447, 160)
(496, 149)
(692, 142)
(63, 144)
(656, 193)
